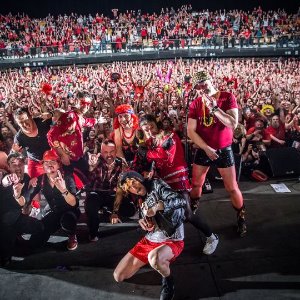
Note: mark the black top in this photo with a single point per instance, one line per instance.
(10, 209)
(35, 146)
(53, 196)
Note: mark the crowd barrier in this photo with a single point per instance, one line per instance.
(143, 45)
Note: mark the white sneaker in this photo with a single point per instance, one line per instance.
(211, 244)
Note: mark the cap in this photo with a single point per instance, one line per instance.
(50, 155)
(200, 77)
(130, 175)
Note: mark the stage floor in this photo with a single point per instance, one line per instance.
(263, 265)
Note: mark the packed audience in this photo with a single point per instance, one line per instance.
(63, 129)
(263, 88)
(184, 27)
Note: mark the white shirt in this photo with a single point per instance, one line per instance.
(157, 236)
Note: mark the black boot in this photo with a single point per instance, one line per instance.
(167, 288)
(241, 222)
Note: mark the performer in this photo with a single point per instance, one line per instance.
(67, 139)
(60, 192)
(103, 191)
(32, 136)
(212, 119)
(125, 129)
(163, 242)
(166, 151)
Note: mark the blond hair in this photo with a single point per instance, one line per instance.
(127, 185)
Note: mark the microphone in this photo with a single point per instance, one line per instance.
(191, 95)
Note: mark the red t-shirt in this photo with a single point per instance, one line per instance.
(139, 92)
(279, 133)
(263, 133)
(217, 135)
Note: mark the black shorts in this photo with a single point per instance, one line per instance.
(225, 159)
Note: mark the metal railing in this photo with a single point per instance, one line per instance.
(103, 47)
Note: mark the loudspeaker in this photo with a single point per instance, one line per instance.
(283, 161)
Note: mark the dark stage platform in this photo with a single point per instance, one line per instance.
(263, 265)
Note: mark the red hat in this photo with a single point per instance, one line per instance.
(123, 109)
(50, 155)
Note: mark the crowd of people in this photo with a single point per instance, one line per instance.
(162, 88)
(124, 132)
(170, 28)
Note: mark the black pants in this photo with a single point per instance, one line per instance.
(53, 221)
(98, 200)
(8, 233)
(196, 220)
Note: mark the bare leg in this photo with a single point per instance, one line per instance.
(231, 186)
(230, 183)
(198, 178)
(127, 267)
(159, 259)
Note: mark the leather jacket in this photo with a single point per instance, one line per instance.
(174, 204)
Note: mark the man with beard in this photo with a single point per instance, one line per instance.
(59, 189)
(212, 119)
(12, 221)
(276, 131)
(104, 170)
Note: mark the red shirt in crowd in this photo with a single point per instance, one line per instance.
(263, 133)
(279, 133)
(217, 135)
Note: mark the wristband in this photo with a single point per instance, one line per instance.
(214, 109)
(115, 212)
(65, 193)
